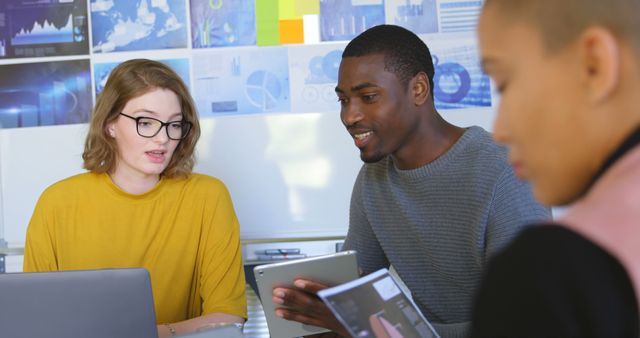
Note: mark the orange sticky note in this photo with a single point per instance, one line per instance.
(291, 31)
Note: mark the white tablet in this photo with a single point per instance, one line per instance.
(333, 269)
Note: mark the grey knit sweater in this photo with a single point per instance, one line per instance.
(439, 224)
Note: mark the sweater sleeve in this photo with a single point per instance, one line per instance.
(222, 275)
(39, 251)
(512, 208)
(360, 236)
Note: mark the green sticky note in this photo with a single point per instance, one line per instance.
(303, 7)
(267, 24)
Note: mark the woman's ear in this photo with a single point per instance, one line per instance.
(111, 130)
(601, 60)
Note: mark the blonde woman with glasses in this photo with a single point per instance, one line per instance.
(140, 205)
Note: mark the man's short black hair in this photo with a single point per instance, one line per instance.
(405, 54)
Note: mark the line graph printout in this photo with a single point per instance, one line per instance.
(43, 28)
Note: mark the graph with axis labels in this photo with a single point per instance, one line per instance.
(344, 19)
(242, 81)
(419, 16)
(43, 28)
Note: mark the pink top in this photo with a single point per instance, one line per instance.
(609, 214)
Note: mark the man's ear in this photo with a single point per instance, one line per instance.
(420, 88)
(600, 61)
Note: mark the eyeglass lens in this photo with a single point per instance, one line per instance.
(148, 127)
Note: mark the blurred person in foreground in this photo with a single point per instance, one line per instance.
(568, 73)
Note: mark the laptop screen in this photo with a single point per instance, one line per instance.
(84, 303)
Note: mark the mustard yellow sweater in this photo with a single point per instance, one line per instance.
(184, 231)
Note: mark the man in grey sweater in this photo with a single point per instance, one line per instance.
(433, 200)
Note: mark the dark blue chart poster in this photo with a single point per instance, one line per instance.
(459, 81)
(101, 71)
(31, 28)
(127, 25)
(219, 23)
(344, 19)
(44, 94)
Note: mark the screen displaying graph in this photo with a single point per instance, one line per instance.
(44, 94)
(43, 28)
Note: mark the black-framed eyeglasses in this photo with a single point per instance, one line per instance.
(149, 127)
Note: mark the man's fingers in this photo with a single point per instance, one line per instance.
(296, 299)
(301, 304)
(309, 286)
(289, 314)
(328, 321)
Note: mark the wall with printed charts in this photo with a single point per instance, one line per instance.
(262, 73)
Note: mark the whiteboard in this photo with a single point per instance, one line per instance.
(289, 175)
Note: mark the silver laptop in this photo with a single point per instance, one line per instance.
(85, 303)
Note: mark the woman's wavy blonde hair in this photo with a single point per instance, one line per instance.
(127, 81)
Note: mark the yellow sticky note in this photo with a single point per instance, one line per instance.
(291, 31)
(287, 10)
(303, 7)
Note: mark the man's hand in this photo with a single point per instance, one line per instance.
(301, 304)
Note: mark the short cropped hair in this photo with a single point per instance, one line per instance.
(561, 22)
(127, 81)
(405, 54)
